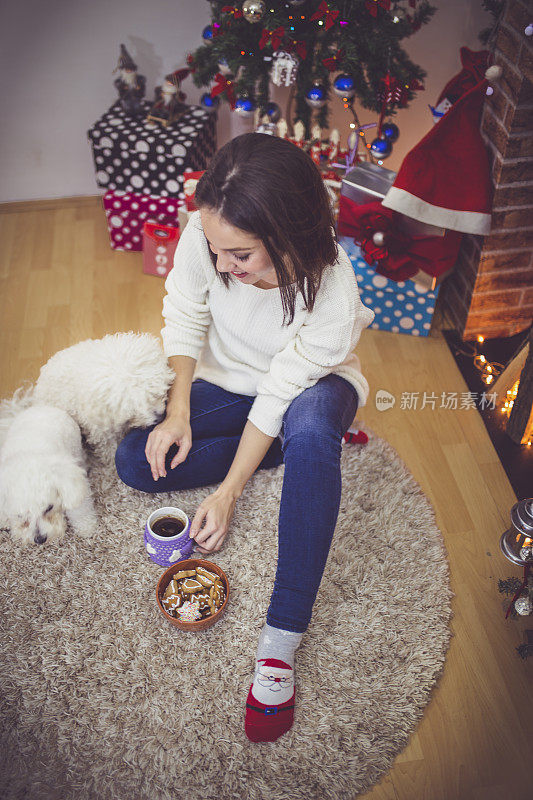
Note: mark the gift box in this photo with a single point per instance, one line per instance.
(400, 307)
(133, 155)
(367, 182)
(126, 214)
(159, 245)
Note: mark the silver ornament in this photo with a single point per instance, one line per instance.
(523, 606)
(266, 127)
(223, 67)
(253, 10)
(284, 68)
(379, 238)
(398, 14)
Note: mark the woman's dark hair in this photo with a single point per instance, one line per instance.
(272, 189)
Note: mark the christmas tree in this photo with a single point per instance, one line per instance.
(349, 47)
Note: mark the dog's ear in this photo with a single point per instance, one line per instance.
(71, 484)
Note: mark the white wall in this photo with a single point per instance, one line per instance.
(57, 59)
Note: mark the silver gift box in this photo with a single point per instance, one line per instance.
(367, 182)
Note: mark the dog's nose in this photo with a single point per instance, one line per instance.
(40, 538)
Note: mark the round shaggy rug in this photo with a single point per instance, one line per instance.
(103, 698)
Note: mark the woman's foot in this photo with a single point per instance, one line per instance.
(271, 698)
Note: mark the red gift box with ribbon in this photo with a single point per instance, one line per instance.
(395, 253)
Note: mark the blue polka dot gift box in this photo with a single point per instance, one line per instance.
(136, 156)
(399, 306)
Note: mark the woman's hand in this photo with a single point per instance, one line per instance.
(217, 510)
(173, 430)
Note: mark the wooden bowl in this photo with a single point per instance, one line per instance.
(166, 577)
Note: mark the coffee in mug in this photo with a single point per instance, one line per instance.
(168, 526)
(166, 536)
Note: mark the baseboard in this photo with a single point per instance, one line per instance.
(50, 204)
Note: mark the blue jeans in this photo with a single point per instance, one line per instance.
(313, 427)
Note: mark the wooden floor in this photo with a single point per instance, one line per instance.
(61, 282)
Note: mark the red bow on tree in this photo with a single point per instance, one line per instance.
(389, 89)
(190, 62)
(223, 84)
(372, 6)
(232, 10)
(389, 92)
(300, 47)
(276, 37)
(332, 63)
(324, 12)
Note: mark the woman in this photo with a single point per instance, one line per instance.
(262, 313)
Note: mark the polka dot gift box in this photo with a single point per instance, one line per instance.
(136, 156)
(127, 213)
(400, 307)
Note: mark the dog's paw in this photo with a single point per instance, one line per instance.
(86, 527)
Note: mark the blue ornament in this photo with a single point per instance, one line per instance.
(245, 106)
(316, 96)
(382, 148)
(344, 86)
(207, 32)
(273, 112)
(208, 102)
(390, 131)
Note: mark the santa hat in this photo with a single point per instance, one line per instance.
(125, 61)
(176, 77)
(273, 662)
(445, 179)
(474, 63)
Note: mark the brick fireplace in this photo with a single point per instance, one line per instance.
(490, 291)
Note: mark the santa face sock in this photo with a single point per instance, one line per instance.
(271, 698)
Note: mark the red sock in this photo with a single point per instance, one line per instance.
(270, 701)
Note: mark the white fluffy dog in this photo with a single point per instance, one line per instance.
(108, 385)
(43, 478)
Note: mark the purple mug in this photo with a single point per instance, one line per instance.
(167, 550)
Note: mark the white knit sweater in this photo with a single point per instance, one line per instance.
(237, 337)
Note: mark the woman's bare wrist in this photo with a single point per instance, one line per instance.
(178, 411)
(230, 489)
